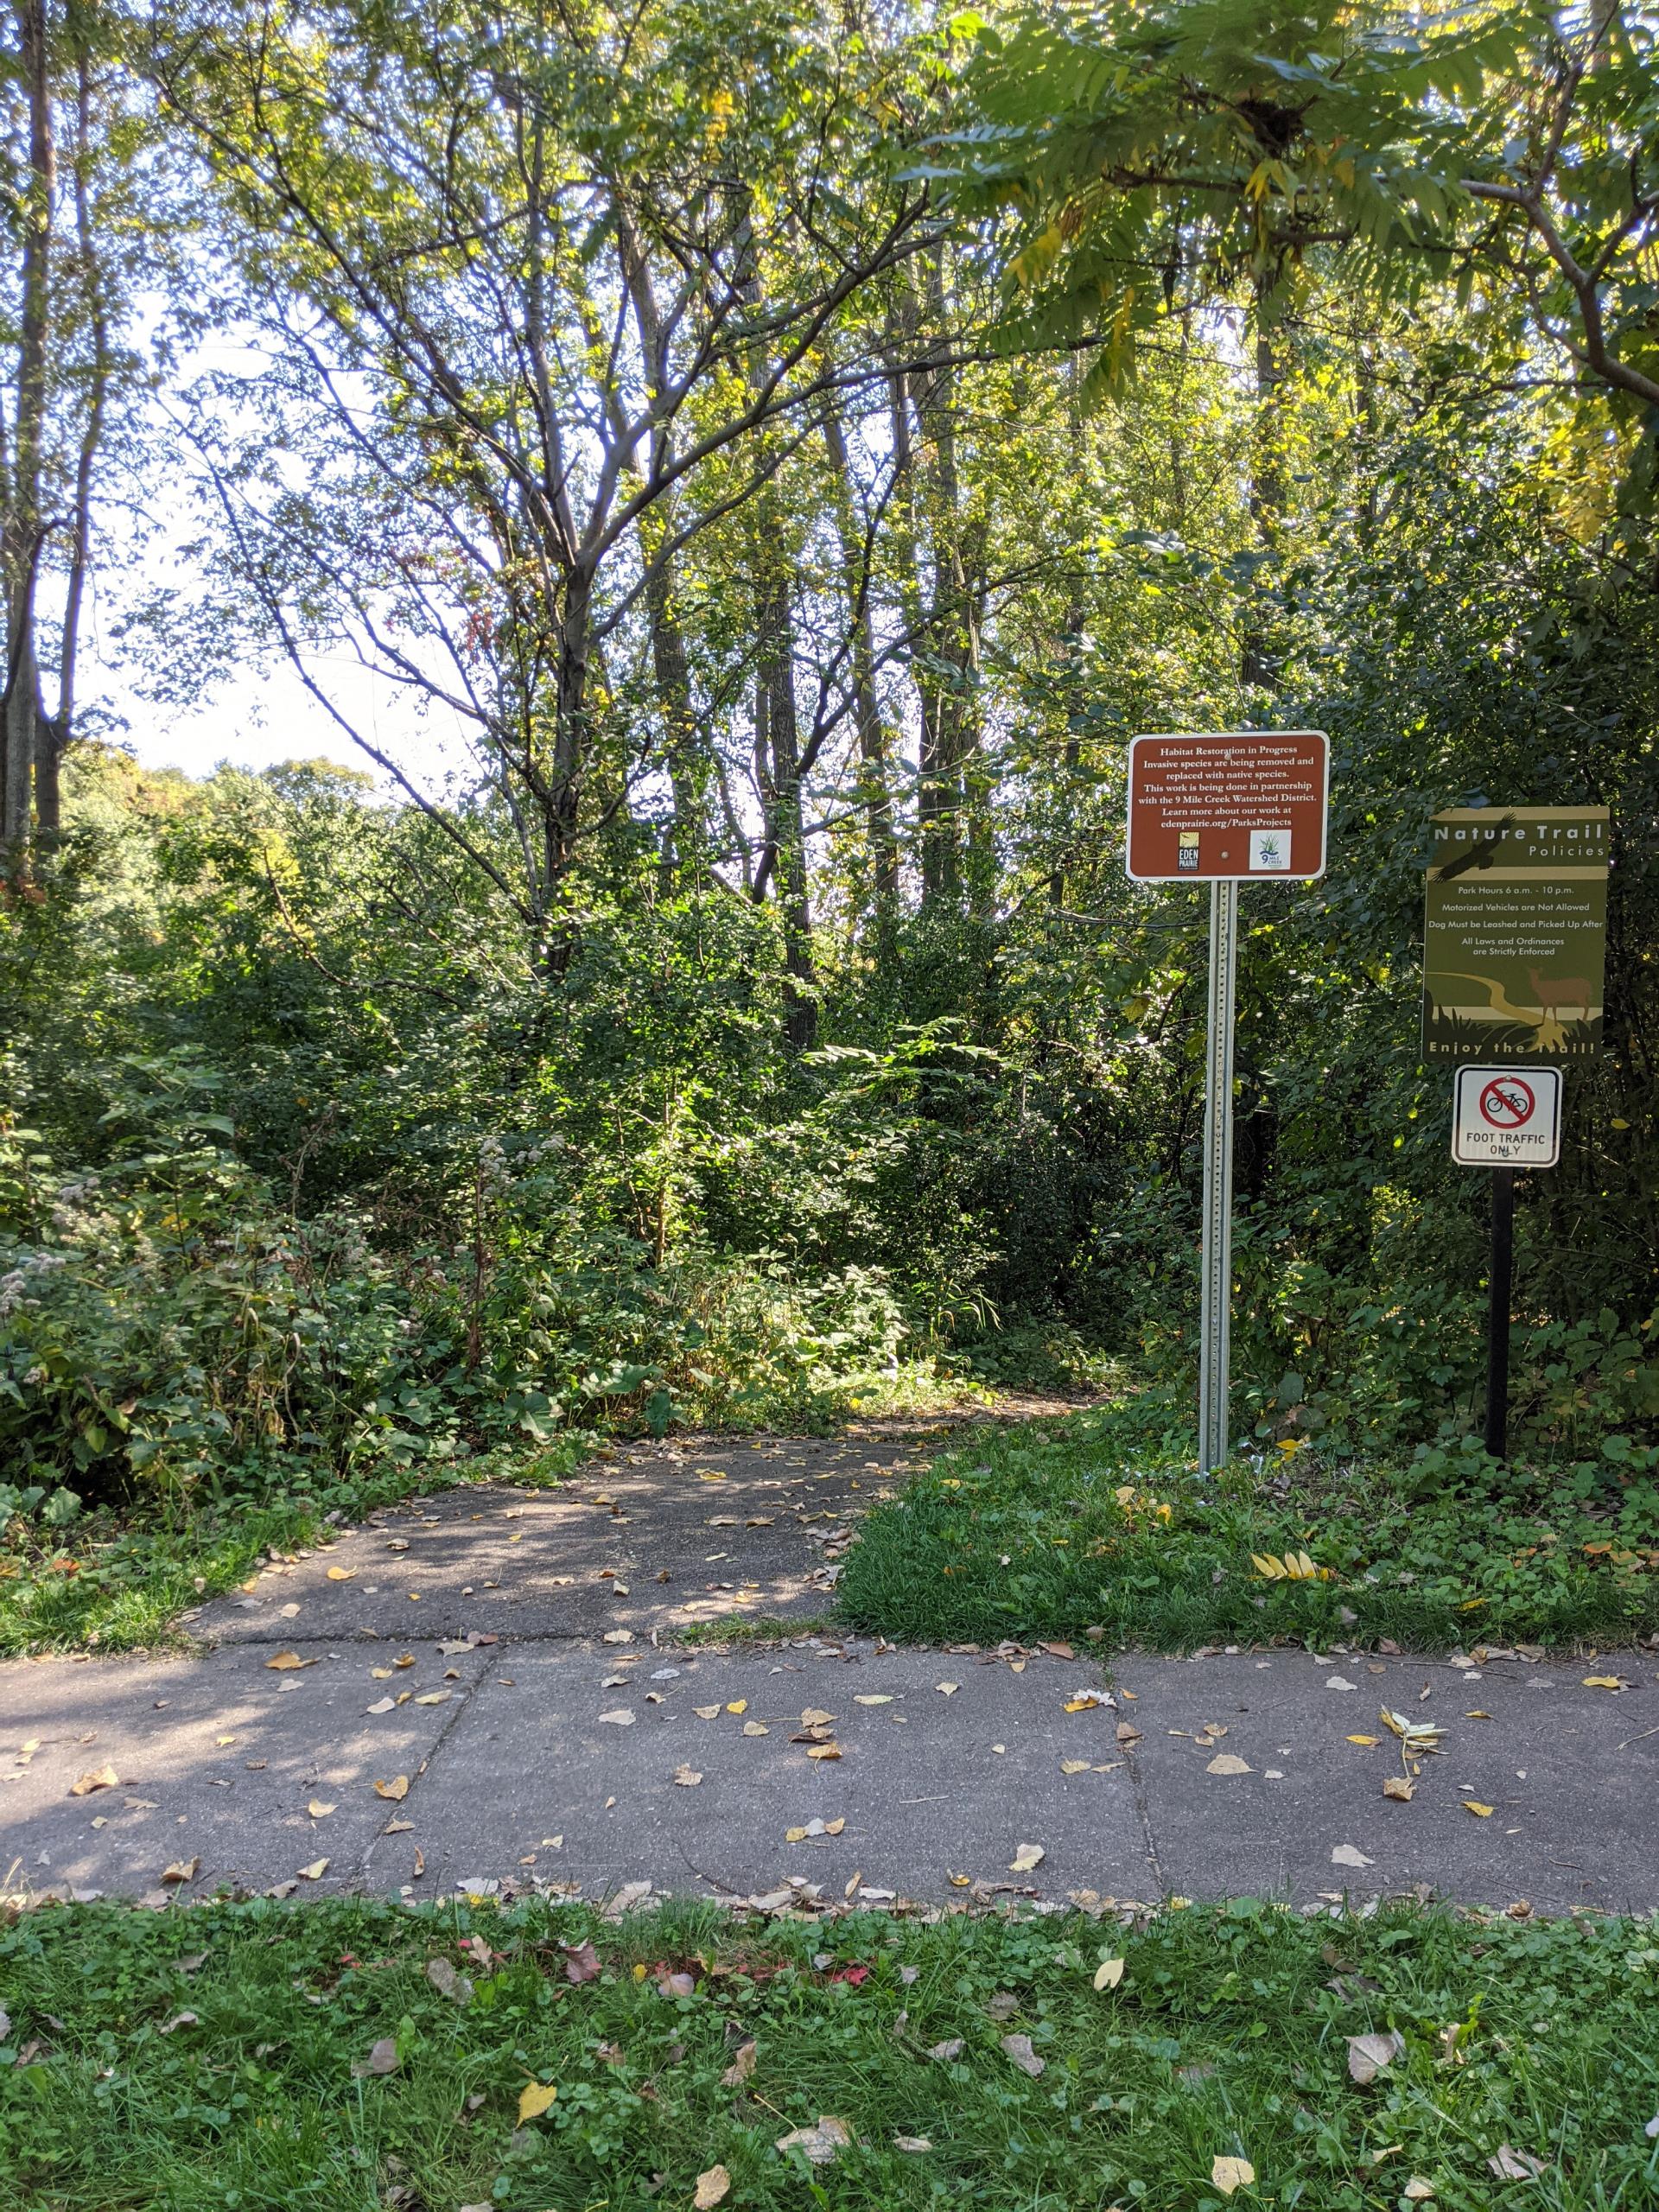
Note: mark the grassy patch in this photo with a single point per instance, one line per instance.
(1097, 1521)
(216, 2060)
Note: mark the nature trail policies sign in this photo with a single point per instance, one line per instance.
(1514, 935)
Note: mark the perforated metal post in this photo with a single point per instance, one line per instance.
(1217, 1255)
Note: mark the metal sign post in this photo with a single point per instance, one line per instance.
(1216, 1264)
(1500, 1283)
(1223, 807)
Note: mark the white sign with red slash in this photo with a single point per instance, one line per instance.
(1507, 1117)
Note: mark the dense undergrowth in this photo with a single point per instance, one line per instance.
(1097, 1524)
(220, 2060)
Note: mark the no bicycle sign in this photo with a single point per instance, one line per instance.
(1507, 1117)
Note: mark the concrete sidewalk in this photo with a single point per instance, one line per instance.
(506, 1664)
(565, 1762)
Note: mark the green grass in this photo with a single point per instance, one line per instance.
(1022, 1534)
(1226, 2038)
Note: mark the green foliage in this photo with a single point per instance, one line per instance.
(214, 2060)
(1100, 1525)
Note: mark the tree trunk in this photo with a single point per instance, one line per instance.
(778, 760)
(22, 523)
(867, 706)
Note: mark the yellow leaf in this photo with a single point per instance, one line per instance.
(318, 1810)
(1395, 1785)
(182, 1869)
(794, 1835)
(756, 1728)
(1229, 2174)
(1025, 1858)
(103, 1778)
(286, 1662)
(1109, 1973)
(835, 1828)
(878, 1698)
(1084, 1704)
(341, 1573)
(738, 1705)
(534, 2098)
(1074, 1766)
(1309, 1571)
(1267, 1565)
(1481, 1812)
(1601, 1682)
(1370, 1742)
(711, 2188)
(315, 1871)
(960, 1881)
(397, 1790)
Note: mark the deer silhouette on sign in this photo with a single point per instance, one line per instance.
(1560, 998)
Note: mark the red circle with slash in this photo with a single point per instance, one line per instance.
(1508, 1102)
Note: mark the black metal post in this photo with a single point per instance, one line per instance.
(1500, 1277)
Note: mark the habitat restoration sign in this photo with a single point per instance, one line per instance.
(1515, 933)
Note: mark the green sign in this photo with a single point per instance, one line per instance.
(1513, 934)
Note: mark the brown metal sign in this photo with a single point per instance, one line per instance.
(1224, 805)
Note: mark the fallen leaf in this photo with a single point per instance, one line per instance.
(1074, 1766)
(706, 1711)
(1027, 1856)
(619, 1636)
(1229, 2174)
(397, 1827)
(382, 1705)
(1417, 2191)
(318, 1810)
(178, 2020)
(435, 1697)
(1128, 1733)
(913, 2143)
(944, 2053)
(1397, 1786)
(341, 1573)
(687, 1778)
(1019, 2049)
(1369, 2056)
(315, 1871)
(1109, 1973)
(447, 1982)
(712, 2188)
(182, 1869)
(581, 1962)
(103, 1778)
(835, 1828)
(755, 1727)
(816, 1717)
(1515, 2165)
(738, 1705)
(286, 1662)
(1348, 1854)
(1226, 1762)
(1474, 1805)
(396, 1790)
(741, 2067)
(823, 1750)
(820, 2144)
(947, 1689)
(1476, 1715)
(534, 2098)
(620, 1717)
(1598, 1682)
(1370, 1742)
(879, 1697)
(382, 2058)
(1084, 1704)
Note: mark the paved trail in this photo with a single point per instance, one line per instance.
(514, 1655)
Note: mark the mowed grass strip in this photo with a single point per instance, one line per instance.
(1084, 1525)
(247, 2057)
